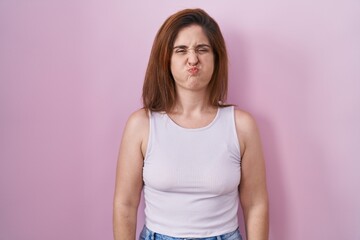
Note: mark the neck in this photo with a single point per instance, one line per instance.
(189, 102)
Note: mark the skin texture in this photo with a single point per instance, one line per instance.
(192, 51)
(192, 110)
(252, 188)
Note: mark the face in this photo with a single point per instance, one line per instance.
(192, 60)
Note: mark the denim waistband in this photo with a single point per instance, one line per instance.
(147, 234)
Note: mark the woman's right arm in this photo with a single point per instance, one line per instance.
(129, 181)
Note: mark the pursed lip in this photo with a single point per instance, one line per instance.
(193, 70)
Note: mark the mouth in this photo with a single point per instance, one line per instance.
(193, 70)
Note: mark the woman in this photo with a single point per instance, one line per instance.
(186, 148)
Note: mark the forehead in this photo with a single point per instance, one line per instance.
(190, 35)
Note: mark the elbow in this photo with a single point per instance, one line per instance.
(260, 205)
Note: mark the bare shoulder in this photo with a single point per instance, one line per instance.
(137, 125)
(138, 119)
(137, 130)
(245, 122)
(246, 129)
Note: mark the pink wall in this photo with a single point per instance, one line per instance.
(71, 72)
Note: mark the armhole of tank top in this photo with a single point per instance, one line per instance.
(149, 142)
(237, 138)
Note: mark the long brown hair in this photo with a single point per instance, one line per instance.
(159, 92)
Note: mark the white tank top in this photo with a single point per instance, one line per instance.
(191, 177)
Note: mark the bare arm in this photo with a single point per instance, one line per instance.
(253, 192)
(129, 181)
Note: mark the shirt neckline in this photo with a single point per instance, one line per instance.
(195, 129)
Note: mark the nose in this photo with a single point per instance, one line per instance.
(192, 58)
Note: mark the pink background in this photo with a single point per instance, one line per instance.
(71, 72)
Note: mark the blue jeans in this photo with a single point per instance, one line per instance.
(147, 234)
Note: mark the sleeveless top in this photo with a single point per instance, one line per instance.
(191, 177)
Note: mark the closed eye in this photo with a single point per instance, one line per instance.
(202, 50)
(180, 50)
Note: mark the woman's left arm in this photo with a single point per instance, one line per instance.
(252, 188)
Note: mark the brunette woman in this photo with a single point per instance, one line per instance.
(194, 156)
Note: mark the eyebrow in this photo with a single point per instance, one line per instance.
(197, 46)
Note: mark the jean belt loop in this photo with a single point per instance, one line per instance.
(152, 235)
(218, 237)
